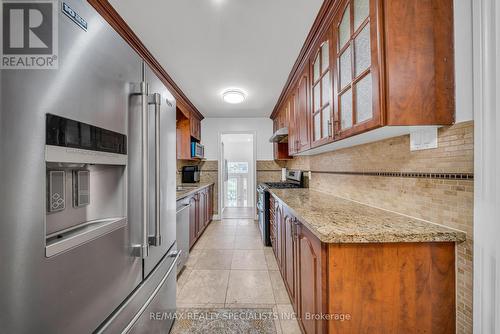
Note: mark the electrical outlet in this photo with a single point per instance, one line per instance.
(423, 139)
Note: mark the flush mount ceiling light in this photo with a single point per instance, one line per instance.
(233, 96)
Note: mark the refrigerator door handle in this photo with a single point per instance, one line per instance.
(155, 99)
(145, 174)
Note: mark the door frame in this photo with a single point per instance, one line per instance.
(220, 163)
(486, 291)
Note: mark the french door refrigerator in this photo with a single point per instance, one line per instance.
(87, 188)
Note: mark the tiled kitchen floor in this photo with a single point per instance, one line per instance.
(229, 267)
(245, 213)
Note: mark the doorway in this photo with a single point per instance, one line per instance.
(237, 161)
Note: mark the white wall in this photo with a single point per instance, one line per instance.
(212, 127)
(463, 60)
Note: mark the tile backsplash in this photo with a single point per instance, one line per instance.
(435, 185)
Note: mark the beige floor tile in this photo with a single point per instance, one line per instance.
(204, 287)
(247, 232)
(249, 260)
(193, 257)
(190, 305)
(221, 225)
(247, 222)
(198, 245)
(268, 250)
(214, 259)
(271, 261)
(243, 305)
(279, 289)
(218, 242)
(248, 242)
(288, 320)
(220, 230)
(249, 287)
(182, 279)
(229, 222)
(277, 323)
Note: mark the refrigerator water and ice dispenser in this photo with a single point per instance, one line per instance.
(86, 183)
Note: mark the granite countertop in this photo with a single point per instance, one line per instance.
(336, 220)
(191, 188)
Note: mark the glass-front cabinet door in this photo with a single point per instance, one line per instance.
(357, 101)
(321, 83)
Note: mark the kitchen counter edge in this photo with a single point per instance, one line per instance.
(319, 221)
(187, 193)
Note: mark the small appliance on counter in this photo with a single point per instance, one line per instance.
(197, 150)
(190, 174)
(294, 179)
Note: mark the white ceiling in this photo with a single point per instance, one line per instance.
(207, 46)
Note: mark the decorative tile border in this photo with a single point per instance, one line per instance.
(444, 176)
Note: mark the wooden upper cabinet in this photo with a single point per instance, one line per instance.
(419, 62)
(356, 68)
(292, 123)
(302, 105)
(188, 129)
(321, 89)
(283, 117)
(281, 150)
(377, 63)
(195, 126)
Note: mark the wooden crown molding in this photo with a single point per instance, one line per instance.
(321, 23)
(106, 10)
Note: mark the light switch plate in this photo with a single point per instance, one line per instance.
(424, 139)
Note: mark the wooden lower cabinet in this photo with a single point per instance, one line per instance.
(289, 250)
(392, 287)
(200, 213)
(210, 204)
(193, 219)
(279, 234)
(311, 281)
(365, 288)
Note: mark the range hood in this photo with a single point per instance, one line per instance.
(280, 136)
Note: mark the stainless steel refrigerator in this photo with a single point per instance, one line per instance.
(87, 188)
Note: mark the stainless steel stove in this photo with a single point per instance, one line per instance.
(293, 180)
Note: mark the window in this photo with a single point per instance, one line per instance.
(237, 184)
(237, 167)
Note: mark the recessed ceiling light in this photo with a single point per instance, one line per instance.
(233, 96)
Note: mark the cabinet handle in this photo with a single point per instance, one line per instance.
(330, 132)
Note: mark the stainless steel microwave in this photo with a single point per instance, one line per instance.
(197, 150)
